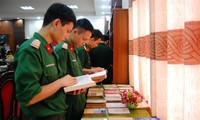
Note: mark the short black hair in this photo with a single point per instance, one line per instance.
(85, 24)
(105, 38)
(97, 34)
(59, 11)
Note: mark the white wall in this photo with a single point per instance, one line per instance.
(32, 26)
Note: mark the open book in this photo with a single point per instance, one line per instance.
(98, 74)
(83, 81)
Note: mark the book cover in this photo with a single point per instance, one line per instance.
(83, 81)
(95, 105)
(95, 93)
(113, 99)
(98, 74)
(96, 100)
(118, 111)
(94, 89)
(111, 91)
(110, 87)
(121, 118)
(94, 118)
(146, 119)
(115, 105)
(95, 111)
(113, 95)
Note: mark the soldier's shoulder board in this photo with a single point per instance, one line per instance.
(65, 46)
(36, 43)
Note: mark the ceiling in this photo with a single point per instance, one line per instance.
(10, 9)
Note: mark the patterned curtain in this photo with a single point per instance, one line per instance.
(164, 56)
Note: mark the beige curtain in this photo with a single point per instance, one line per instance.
(164, 56)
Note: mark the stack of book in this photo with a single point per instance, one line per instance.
(95, 103)
(95, 92)
(95, 98)
(111, 89)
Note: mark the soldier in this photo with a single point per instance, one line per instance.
(38, 76)
(71, 65)
(83, 52)
(102, 56)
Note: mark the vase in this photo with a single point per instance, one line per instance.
(131, 106)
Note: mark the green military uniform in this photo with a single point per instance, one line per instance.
(70, 61)
(84, 57)
(35, 67)
(102, 56)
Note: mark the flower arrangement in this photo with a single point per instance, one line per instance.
(131, 97)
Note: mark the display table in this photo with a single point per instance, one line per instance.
(101, 111)
(140, 113)
(136, 113)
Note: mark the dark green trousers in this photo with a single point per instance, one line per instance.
(76, 105)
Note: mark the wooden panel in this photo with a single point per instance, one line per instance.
(15, 31)
(7, 28)
(120, 46)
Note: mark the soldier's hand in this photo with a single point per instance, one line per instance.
(68, 80)
(97, 69)
(99, 79)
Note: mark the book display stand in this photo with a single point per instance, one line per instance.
(104, 105)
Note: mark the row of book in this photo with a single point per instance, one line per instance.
(104, 101)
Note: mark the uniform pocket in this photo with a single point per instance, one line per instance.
(50, 70)
(50, 74)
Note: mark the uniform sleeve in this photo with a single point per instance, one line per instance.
(28, 72)
(87, 62)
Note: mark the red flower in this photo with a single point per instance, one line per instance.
(132, 97)
(48, 48)
(71, 47)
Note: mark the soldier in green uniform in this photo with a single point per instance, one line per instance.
(70, 63)
(38, 75)
(102, 56)
(83, 52)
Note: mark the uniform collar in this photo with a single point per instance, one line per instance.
(70, 46)
(44, 43)
(39, 37)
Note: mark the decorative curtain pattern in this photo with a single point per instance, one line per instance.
(164, 56)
